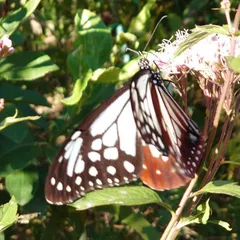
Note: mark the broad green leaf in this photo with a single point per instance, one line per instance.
(222, 224)
(86, 19)
(138, 24)
(13, 93)
(26, 66)
(18, 157)
(234, 63)
(79, 86)
(13, 19)
(200, 217)
(92, 50)
(199, 33)
(22, 184)
(128, 196)
(220, 187)
(106, 75)
(11, 120)
(141, 226)
(8, 214)
(129, 70)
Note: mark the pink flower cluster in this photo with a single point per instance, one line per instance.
(5, 46)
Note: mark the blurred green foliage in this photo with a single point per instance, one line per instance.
(70, 56)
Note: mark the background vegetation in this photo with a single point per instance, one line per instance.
(52, 74)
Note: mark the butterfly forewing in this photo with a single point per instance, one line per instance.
(104, 151)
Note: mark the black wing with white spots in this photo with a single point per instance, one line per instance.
(104, 151)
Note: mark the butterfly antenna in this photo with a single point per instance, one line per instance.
(154, 30)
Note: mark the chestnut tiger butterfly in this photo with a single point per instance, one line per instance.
(140, 132)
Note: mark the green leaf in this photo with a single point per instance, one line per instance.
(220, 187)
(201, 217)
(222, 224)
(8, 214)
(233, 63)
(139, 23)
(127, 196)
(79, 86)
(141, 226)
(26, 66)
(13, 19)
(22, 185)
(103, 75)
(18, 157)
(11, 120)
(199, 33)
(93, 48)
(86, 19)
(12, 93)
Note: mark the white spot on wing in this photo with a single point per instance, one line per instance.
(78, 180)
(154, 151)
(75, 149)
(108, 116)
(110, 136)
(53, 181)
(68, 188)
(111, 153)
(59, 186)
(129, 166)
(80, 165)
(94, 156)
(93, 171)
(127, 131)
(96, 144)
(111, 170)
(75, 135)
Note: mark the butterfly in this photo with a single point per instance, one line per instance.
(140, 132)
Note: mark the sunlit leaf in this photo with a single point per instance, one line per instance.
(79, 86)
(200, 217)
(233, 63)
(220, 187)
(26, 66)
(141, 226)
(222, 224)
(22, 184)
(13, 19)
(8, 214)
(11, 120)
(103, 75)
(128, 196)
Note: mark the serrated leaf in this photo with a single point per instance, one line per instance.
(220, 187)
(13, 19)
(128, 196)
(8, 214)
(222, 224)
(26, 66)
(233, 63)
(141, 226)
(106, 75)
(12, 93)
(11, 120)
(79, 86)
(22, 185)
